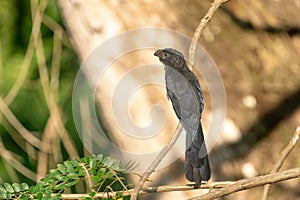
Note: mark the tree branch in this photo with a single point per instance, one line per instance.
(245, 184)
(155, 163)
(158, 189)
(282, 157)
(203, 23)
(225, 188)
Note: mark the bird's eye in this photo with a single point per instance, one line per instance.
(166, 55)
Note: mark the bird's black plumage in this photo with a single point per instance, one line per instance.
(184, 91)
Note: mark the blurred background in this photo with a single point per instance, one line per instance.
(255, 44)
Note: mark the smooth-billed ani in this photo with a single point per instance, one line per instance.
(186, 96)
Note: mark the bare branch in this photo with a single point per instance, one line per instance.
(37, 21)
(158, 189)
(225, 188)
(10, 158)
(55, 114)
(28, 136)
(251, 183)
(281, 159)
(57, 29)
(155, 163)
(203, 23)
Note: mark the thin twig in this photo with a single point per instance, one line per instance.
(251, 183)
(55, 64)
(29, 53)
(203, 23)
(155, 163)
(43, 156)
(88, 177)
(55, 27)
(1, 69)
(50, 134)
(281, 159)
(119, 179)
(10, 158)
(5, 102)
(29, 137)
(55, 115)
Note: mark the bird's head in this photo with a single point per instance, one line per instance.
(171, 57)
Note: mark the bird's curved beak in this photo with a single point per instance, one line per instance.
(157, 53)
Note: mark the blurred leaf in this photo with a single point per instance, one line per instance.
(60, 186)
(8, 187)
(25, 186)
(99, 157)
(108, 161)
(62, 168)
(92, 194)
(69, 184)
(17, 187)
(57, 182)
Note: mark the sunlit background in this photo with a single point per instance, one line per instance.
(256, 46)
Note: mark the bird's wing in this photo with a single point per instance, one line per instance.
(175, 102)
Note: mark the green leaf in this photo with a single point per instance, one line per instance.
(75, 163)
(47, 195)
(60, 186)
(17, 187)
(97, 179)
(117, 166)
(108, 161)
(9, 188)
(3, 195)
(71, 170)
(81, 172)
(2, 189)
(101, 172)
(69, 184)
(66, 175)
(50, 181)
(110, 174)
(39, 195)
(34, 189)
(93, 171)
(64, 179)
(93, 163)
(72, 176)
(25, 186)
(92, 193)
(24, 196)
(85, 160)
(99, 157)
(68, 164)
(56, 197)
(2, 192)
(54, 173)
(8, 195)
(62, 168)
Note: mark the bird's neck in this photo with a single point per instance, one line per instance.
(182, 70)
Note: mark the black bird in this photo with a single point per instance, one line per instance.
(184, 90)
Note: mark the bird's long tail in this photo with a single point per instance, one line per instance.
(197, 167)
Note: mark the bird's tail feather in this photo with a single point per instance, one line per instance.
(197, 167)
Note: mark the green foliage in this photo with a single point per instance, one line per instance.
(103, 174)
(29, 104)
